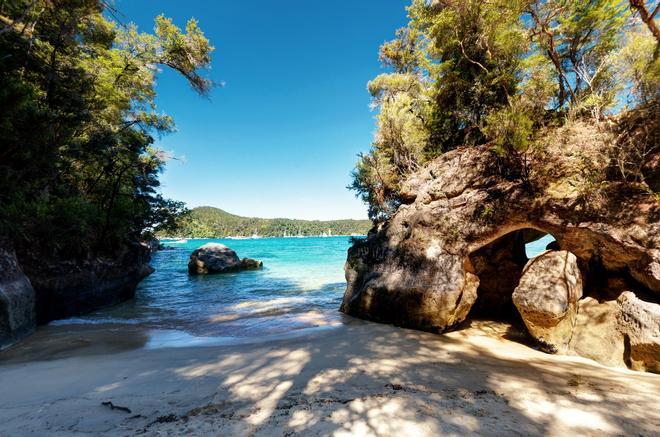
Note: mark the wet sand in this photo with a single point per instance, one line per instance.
(356, 379)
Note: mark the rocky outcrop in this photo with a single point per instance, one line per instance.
(17, 315)
(421, 268)
(547, 298)
(218, 258)
(639, 322)
(597, 334)
(153, 245)
(73, 288)
(251, 264)
(499, 267)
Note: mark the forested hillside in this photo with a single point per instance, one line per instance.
(78, 166)
(208, 222)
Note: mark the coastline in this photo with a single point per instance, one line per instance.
(358, 378)
(238, 237)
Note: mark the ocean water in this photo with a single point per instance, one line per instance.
(299, 289)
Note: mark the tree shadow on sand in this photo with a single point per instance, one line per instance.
(399, 381)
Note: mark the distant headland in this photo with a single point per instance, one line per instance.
(210, 222)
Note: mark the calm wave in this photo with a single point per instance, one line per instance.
(300, 287)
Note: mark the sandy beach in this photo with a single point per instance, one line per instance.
(357, 379)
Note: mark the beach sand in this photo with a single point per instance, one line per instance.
(356, 379)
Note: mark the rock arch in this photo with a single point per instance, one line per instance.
(416, 269)
(499, 266)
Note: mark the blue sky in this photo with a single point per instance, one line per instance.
(281, 137)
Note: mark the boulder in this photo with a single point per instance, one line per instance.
(547, 298)
(596, 334)
(17, 300)
(218, 258)
(639, 321)
(153, 245)
(251, 264)
(430, 291)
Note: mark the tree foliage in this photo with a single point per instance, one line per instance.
(474, 72)
(209, 222)
(78, 166)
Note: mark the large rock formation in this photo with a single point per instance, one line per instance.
(639, 321)
(218, 258)
(17, 316)
(547, 298)
(499, 267)
(417, 269)
(597, 334)
(73, 288)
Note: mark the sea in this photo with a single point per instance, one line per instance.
(299, 290)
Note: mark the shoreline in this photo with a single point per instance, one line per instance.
(360, 378)
(237, 237)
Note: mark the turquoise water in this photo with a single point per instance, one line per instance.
(300, 287)
(536, 247)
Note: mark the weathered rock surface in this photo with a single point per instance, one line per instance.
(218, 258)
(73, 288)
(251, 264)
(597, 335)
(17, 316)
(547, 298)
(499, 267)
(639, 321)
(418, 269)
(153, 245)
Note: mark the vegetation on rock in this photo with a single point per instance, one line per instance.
(502, 73)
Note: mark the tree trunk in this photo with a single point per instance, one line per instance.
(647, 17)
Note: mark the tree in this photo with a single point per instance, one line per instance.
(495, 72)
(452, 65)
(78, 171)
(647, 17)
(579, 37)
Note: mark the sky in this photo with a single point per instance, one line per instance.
(282, 135)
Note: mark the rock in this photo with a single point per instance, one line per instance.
(68, 288)
(17, 300)
(421, 268)
(596, 334)
(547, 298)
(433, 295)
(553, 245)
(153, 245)
(251, 264)
(639, 321)
(498, 267)
(218, 258)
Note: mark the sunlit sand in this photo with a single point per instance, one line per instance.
(357, 379)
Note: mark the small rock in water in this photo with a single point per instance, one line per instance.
(218, 258)
(251, 264)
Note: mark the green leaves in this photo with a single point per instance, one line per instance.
(77, 111)
(475, 72)
(184, 52)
